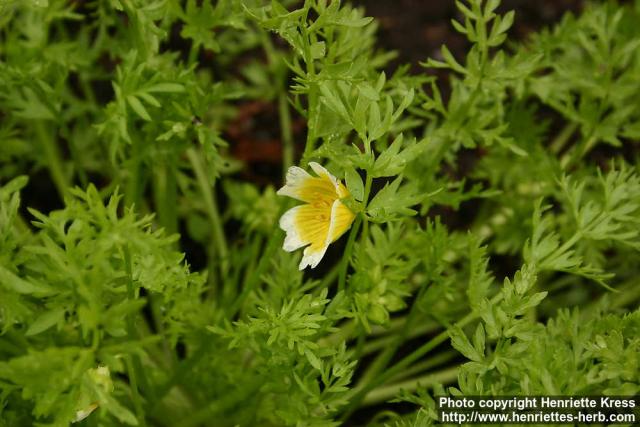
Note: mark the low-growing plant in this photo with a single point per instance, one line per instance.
(151, 275)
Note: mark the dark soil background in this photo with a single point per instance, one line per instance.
(417, 28)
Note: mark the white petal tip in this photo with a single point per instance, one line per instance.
(311, 258)
(292, 240)
(322, 171)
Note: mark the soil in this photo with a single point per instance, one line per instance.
(416, 29)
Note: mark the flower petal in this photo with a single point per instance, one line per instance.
(307, 225)
(323, 173)
(341, 219)
(81, 414)
(312, 256)
(292, 241)
(302, 186)
(294, 180)
(341, 190)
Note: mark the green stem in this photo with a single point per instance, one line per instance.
(346, 257)
(166, 194)
(182, 371)
(577, 152)
(433, 361)
(285, 129)
(330, 277)
(361, 393)
(157, 317)
(135, 394)
(219, 406)
(360, 341)
(365, 200)
(311, 113)
(254, 278)
(134, 366)
(558, 143)
(249, 261)
(361, 218)
(193, 53)
(627, 296)
(343, 333)
(385, 356)
(384, 342)
(565, 247)
(383, 394)
(219, 239)
(312, 100)
(132, 188)
(52, 154)
(275, 62)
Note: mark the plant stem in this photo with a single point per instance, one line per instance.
(166, 194)
(219, 239)
(433, 361)
(311, 113)
(219, 406)
(285, 129)
(385, 341)
(342, 334)
(330, 277)
(577, 152)
(52, 154)
(365, 201)
(346, 257)
(563, 137)
(135, 394)
(194, 50)
(134, 366)
(254, 278)
(132, 187)
(276, 63)
(385, 356)
(360, 393)
(385, 393)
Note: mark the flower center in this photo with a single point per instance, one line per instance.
(320, 204)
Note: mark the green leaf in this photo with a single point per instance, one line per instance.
(354, 183)
(138, 107)
(313, 359)
(12, 282)
(165, 88)
(392, 201)
(479, 339)
(318, 50)
(460, 342)
(46, 321)
(330, 96)
(392, 161)
(13, 186)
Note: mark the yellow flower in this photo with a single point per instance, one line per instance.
(319, 222)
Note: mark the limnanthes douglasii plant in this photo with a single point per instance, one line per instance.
(152, 275)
